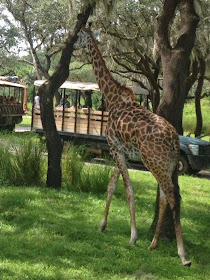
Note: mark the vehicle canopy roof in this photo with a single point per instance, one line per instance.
(12, 84)
(72, 85)
(89, 86)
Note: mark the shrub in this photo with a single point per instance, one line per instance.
(72, 166)
(22, 164)
(83, 177)
(5, 165)
(28, 164)
(95, 178)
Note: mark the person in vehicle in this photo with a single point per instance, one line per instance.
(64, 103)
(12, 100)
(88, 99)
(37, 99)
(73, 107)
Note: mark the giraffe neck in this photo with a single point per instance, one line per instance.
(111, 90)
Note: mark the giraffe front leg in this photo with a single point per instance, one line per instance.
(110, 191)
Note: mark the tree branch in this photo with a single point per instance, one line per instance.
(78, 68)
(162, 27)
(26, 61)
(189, 20)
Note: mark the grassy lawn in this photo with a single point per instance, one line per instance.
(189, 117)
(25, 122)
(48, 234)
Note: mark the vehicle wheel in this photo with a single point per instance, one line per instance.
(184, 166)
(10, 127)
(193, 172)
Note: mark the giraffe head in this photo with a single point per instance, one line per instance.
(83, 36)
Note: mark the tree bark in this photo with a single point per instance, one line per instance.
(175, 64)
(198, 92)
(47, 92)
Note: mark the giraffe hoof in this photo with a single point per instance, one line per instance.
(153, 245)
(102, 225)
(187, 263)
(133, 239)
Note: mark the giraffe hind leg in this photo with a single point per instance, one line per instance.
(162, 207)
(121, 167)
(121, 162)
(110, 190)
(179, 238)
(168, 189)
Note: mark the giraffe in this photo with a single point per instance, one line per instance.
(134, 131)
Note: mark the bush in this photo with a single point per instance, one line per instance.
(23, 164)
(28, 164)
(95, 178)
(5, 165)
(72, 166)
(83, 177)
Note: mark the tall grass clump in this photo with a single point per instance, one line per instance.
(22, 164)
(72, 166)
(95, 178)
(5, 165)
(81, 176)
(28, 163)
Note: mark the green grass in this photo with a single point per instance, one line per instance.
(13, 138)
(48, 234)
(25, 122)
(189, 117)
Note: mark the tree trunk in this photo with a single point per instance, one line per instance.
(53, 141)
(47, 92)
(175, 64)
(198, 92)
(175, 68)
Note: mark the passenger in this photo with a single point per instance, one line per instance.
(88, 99)
(73, 107)
(12, 100)
(61, 103)
(37, 99)
(6, 100)
(64, 103)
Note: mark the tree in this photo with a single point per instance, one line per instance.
(47, 92)
(9, 38)
(127, 40)
(43, 24)
(175, 64)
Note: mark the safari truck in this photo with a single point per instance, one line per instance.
(80, 122)
(13, 102)
(84, 124)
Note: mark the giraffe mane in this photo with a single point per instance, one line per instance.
(123, 87)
